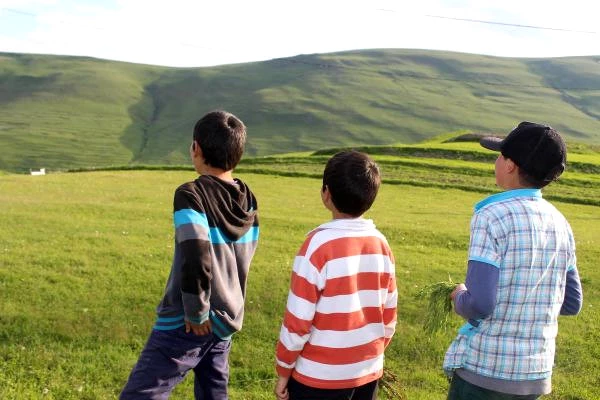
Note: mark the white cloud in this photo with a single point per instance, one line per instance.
(193, 33)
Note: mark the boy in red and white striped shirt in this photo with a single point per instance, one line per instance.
(341, 308)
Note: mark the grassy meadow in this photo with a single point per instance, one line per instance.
(62, 112)
(85, 256)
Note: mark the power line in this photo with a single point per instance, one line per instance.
(510, 24)
(15, 11)
(480, 21)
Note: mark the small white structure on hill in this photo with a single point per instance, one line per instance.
(41, 171)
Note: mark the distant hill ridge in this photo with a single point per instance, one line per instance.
(71, 112)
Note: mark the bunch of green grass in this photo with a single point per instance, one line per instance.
(439, 305)
(391, 386)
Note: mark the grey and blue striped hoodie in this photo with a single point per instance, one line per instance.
(216, 234)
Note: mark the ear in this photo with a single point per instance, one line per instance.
(326, 197)
(196, 151)
(511, 167)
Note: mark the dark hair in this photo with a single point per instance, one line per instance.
(221, 137)
(537, 149)
(353, 181)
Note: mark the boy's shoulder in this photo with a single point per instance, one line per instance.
(351, 229)
(201, 183)
(186, 186)
(212, 193)
(336, 240)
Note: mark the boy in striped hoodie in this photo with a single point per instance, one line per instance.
(216, 232)
(341, 307)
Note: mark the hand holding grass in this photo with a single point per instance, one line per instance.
(457, 289)
(439, 307)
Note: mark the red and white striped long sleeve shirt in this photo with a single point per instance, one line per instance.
(341, 308)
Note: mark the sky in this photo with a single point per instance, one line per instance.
(197, 33)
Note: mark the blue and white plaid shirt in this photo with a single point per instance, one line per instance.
(532, 245)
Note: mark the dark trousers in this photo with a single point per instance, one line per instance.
(166, 359)
(463, 390)
(299, 391)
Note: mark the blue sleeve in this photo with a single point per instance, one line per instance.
(573, 294)
(479, 300)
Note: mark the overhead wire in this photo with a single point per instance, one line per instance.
(460, 19)
(15, 11)
(480, 21)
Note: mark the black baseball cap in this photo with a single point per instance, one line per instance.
(537, 149)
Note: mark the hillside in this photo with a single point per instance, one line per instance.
(67, 112)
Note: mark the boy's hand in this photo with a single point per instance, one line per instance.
(459, 288)
(281, 389)
(198, 329)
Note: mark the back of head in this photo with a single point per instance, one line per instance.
(538, 150)
(353, 180)
(222, 138)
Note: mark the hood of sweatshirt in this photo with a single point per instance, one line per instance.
(229, 205)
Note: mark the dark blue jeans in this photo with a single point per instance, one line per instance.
(298, 391)
(463, 390)
(169, 356)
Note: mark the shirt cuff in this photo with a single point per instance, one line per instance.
(283, 372)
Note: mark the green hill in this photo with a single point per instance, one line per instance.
(68, 112)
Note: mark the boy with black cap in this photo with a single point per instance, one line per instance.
(521, 275)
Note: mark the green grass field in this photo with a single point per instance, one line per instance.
(85, 256)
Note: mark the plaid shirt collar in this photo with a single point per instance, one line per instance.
(509, 194)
